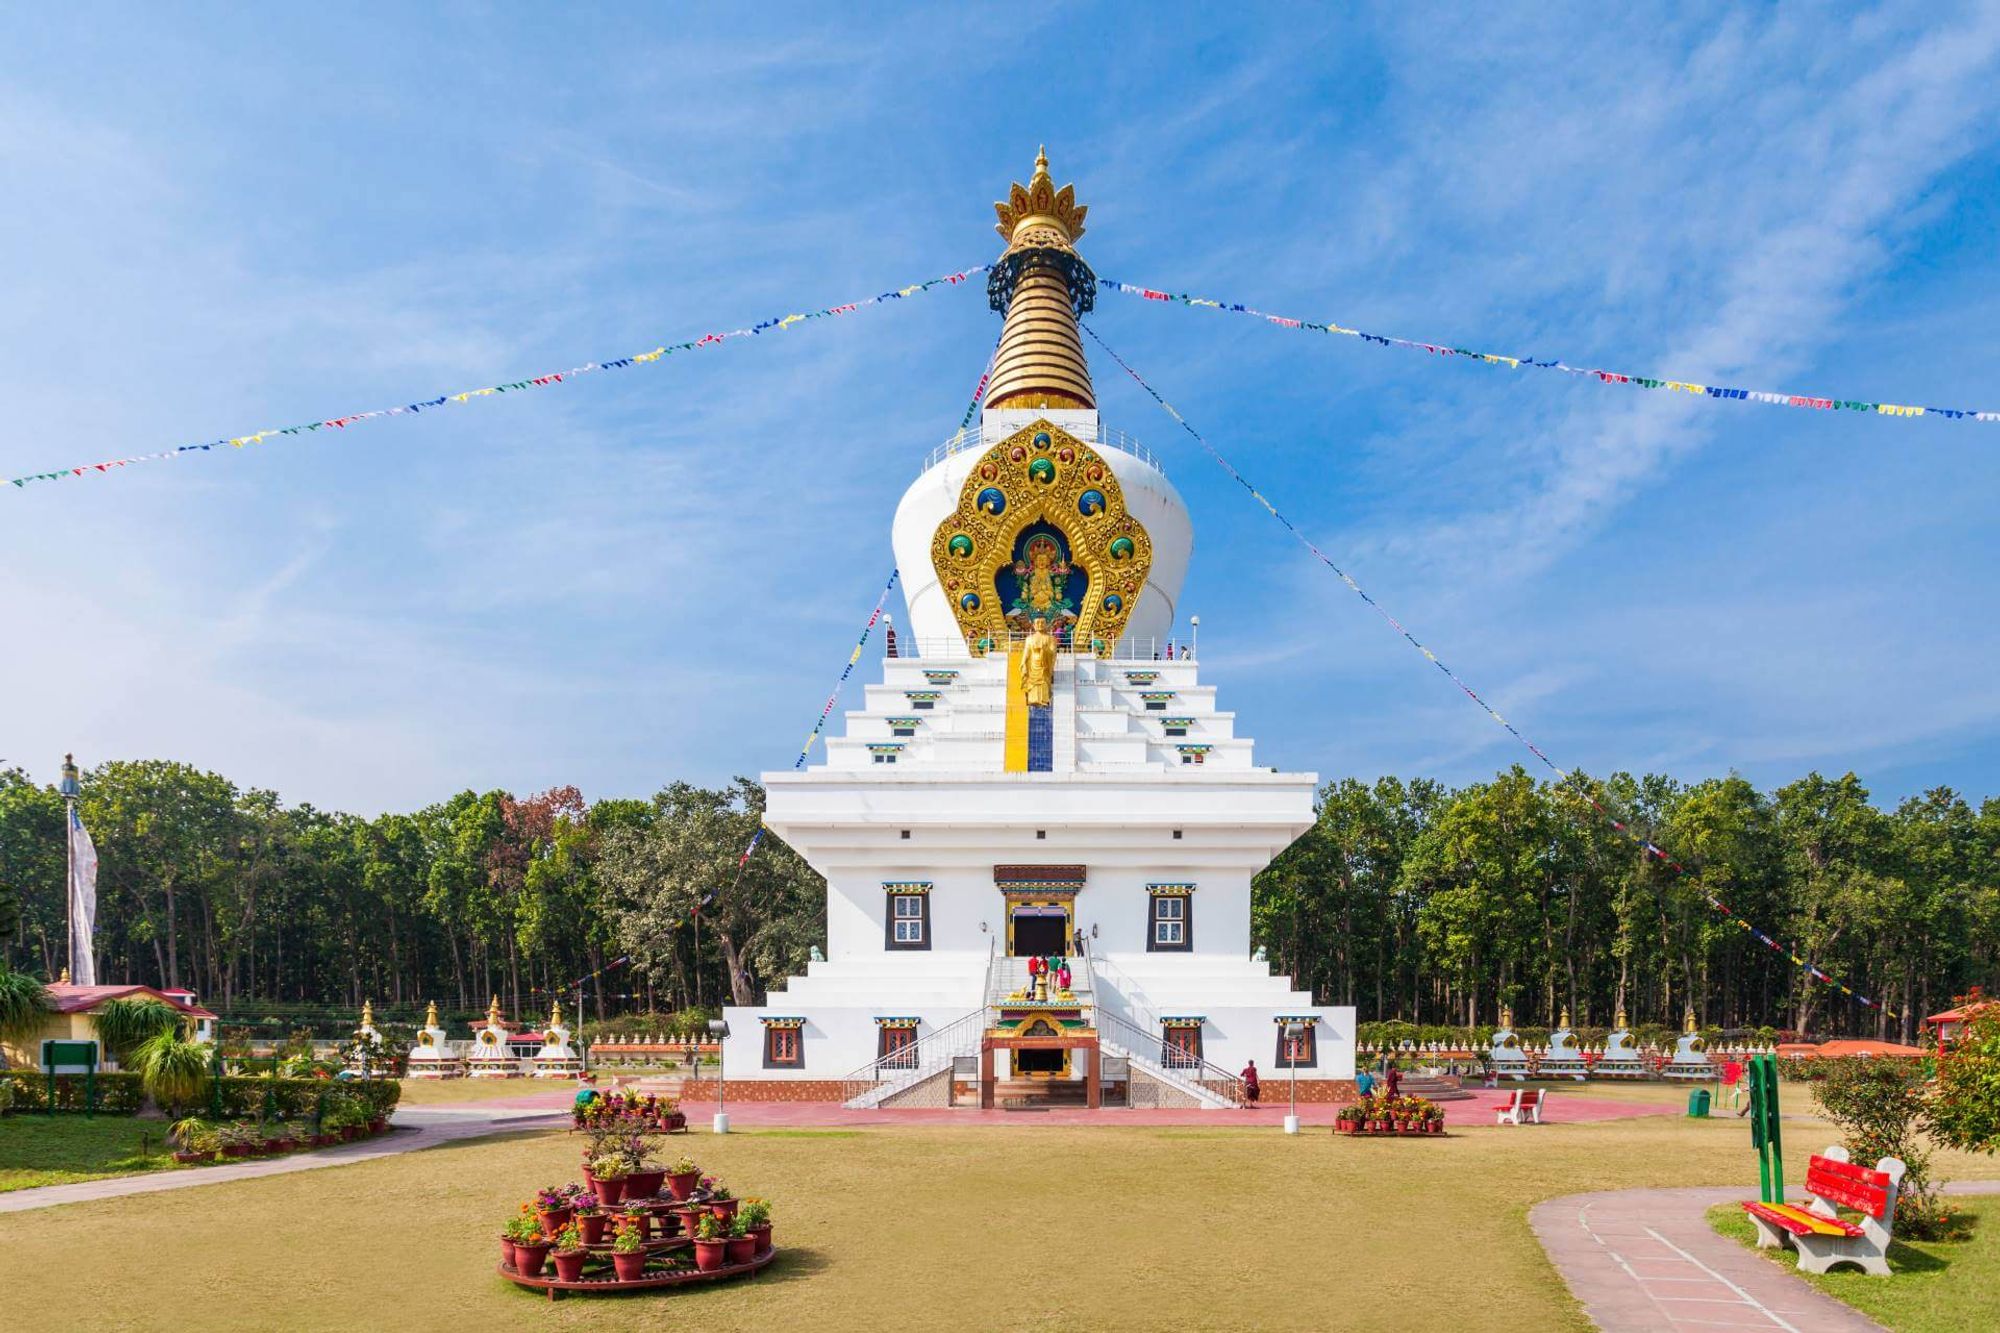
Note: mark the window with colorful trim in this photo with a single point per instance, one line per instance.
(1300, 1051)
(907, 923)
(1171, 927)
(896, 1046)
(784, 1046)
(1180, 1045)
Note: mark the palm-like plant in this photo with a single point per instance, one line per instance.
(173, 1067)
(24, 1005)
(126, 1025)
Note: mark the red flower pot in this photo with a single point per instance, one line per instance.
(569, 1264)
(762, 1235)
(507, 1252)
(682, 1186)
(643, 1184)
(187, 1157)
(528, 1258)
(630, 1267)
(350, 1132)
(709, 1255)
(553, 1221)
(724, 1209)
(593, 1225)
(741, 1249)
(1375, 1126)
(608, 1192)
(378, 1126)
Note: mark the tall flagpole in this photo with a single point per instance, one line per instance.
(70, 791)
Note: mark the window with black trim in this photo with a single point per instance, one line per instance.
(1301, 1051)
(884, 758)
(908, 921)
(784, 1047)
(896, 1047)
(923, 705)
(1156, 705)
(1171, 929)
(1177, 728)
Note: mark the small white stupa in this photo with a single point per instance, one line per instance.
(368, 1066)
(1564, 1058)
(1690, 1054)
(1621, 1058)
(556, 1059)
(1507, 1057)
(491, 1056)
(432, 1056)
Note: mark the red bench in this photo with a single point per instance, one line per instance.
(1817, 1231)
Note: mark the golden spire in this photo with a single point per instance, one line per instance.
(1041, 285)
(555, 1014)
(1563, 1022)
(431, 1015)
(1688, 1028)
(1506, 1015)
(493, 1013)
(1619, 1022)
(368, 1013)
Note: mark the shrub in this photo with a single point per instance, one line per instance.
(1965, 1106)
(174, 1069)
(125, 1025)
(117, 1093)
(1879, 1106)
(24, 1005)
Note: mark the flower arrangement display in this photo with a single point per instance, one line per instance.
(630, 1111)
(1380, 1113)
(649, 1241)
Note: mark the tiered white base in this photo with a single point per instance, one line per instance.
(508, 1068)
(435, 1069)
(1690, 1072)
(1620, 1069)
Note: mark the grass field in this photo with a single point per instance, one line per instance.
(1937, 1288)
(1013, 1226)
(54, 1150)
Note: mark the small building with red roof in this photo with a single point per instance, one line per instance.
(72, 1017)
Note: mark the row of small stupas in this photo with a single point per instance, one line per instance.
(1563, 1057)
(489, 1054)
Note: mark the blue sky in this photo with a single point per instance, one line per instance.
(217, 220)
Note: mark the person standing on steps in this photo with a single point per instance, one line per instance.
(1250, 1085)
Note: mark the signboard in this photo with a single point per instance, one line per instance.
(69, 1057)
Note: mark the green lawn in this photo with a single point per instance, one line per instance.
(1937, 1288)
(54, 1150)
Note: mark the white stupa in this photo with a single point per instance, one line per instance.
(556, 1059)
(1690, 1054)
(1506, 1056)
(491, 1057)
(370, 1067)
(432, 1056)
(1564, 1058)
(1008, 792)
(1621, 1058)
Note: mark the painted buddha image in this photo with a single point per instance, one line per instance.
(1041, 575)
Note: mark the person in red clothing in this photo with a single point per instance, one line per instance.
(1393, 1081)
(1250, 1085)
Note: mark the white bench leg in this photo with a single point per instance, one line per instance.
(1768, 1236)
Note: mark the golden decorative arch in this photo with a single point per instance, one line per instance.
(1042, 474)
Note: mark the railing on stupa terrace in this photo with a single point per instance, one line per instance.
(1368, 1054)
(978, 437)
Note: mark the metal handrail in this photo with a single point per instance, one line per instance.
(927, 1055)
(977, 436)
(1212, 1079)
(1135, 648)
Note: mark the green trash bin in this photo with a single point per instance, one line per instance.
(1698, 1102)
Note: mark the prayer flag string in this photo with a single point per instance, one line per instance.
(1577, 779)
(1814, 402)
(776, 324)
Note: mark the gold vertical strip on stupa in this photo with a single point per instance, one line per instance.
(1017, 715)
(1041, 283)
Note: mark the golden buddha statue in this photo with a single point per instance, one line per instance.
(1038, 666)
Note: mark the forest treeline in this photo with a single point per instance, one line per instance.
(1408, 899)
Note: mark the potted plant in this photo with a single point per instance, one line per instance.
(531, 1247)
(192, 1139)
(607, 1178)
(570, 1253)
(643, 1181)
(742, 1246)
(711, 1244)
(721, 1202)
(628, 1251)
(552, 1209)
(682, 1177)
(755, 1219)
(590, 1217)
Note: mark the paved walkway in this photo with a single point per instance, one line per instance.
(416, 1127)
(1647, 1261)
(1562, 1108)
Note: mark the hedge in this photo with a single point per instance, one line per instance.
(117, 1093)
(244, 1098)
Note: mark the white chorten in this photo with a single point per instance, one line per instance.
(1564, 1058)
(491, 1056)
(1690, 1054)
(1506, 1056)
(1621, 1058)
(1042, 769)
(432, 1056)
(556, 1059)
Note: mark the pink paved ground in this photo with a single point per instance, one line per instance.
(1560, 1109)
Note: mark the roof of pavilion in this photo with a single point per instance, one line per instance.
(70, 998)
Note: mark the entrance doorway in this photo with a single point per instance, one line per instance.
(1037, 929)
(1043, 1063)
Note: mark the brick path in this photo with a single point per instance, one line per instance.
(416, 1127)
(1647, 1261)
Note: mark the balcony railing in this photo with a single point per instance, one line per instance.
(977, 436)
(1132, 649)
